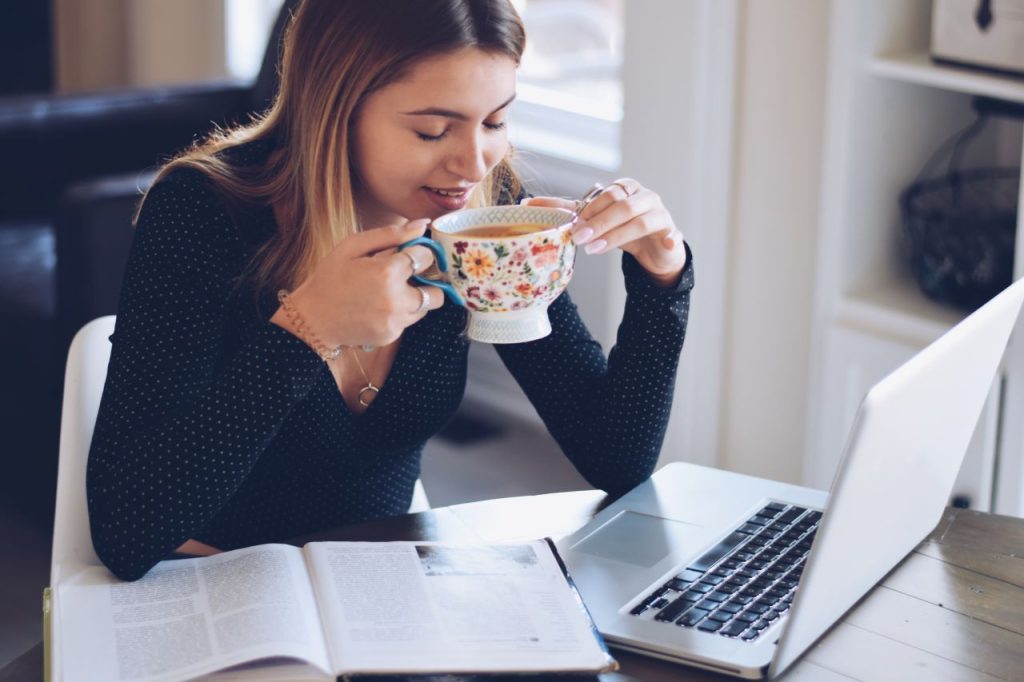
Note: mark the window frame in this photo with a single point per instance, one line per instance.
(569, 131)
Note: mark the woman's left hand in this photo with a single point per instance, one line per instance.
(629, 216)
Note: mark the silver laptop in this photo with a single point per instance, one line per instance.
(741, 575)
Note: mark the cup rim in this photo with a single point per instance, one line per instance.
(571, 219)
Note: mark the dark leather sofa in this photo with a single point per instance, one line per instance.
(74, 168)
(72, 171)
(77, 165)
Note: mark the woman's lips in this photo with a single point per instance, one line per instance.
(448, 199)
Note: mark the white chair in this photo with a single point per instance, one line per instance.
(84, 377)
(419, 503)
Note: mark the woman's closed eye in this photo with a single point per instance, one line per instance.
(427, 137)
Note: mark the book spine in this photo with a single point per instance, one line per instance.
(47, 627)
(611, 665)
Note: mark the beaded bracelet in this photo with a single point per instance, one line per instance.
(303, 331)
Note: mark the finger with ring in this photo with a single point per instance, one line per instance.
(594, 191)
(412, 261)
(424, 300)
(622, 185)
(598, 191)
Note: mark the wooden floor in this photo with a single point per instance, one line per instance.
(517, 459)
(24, 570)
(29, 413)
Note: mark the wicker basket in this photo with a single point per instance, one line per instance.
(958, 234)
(958, 228)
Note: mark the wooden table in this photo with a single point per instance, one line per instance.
(953, 610)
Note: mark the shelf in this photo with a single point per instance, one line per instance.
(894, 306)
(918, 67)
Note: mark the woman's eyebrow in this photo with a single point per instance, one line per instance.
(448, 113)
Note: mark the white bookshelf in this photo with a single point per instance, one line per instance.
(889, 109)
(891, 304)
(918, 68)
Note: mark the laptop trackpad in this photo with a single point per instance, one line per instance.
(641, 539)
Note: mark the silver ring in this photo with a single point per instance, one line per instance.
(591, 194)
(424, 299)
(596, 190)
(623, 187)
(412, 261)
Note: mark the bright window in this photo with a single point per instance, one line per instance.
(248, 24)
(570, 85)
(573, 54)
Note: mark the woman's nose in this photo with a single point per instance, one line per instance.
(472, 161)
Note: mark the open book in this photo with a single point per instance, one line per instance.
(330, 609)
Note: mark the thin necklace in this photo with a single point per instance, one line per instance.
(369, 387)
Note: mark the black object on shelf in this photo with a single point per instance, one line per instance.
(959, 227)
(961, 502)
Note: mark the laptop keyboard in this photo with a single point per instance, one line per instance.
(744, 583)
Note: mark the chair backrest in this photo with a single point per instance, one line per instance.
(84, 376)
(419, 503)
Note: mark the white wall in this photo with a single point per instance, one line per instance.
(779, 127)
(676, 138)
(679, 73)
(724, 118)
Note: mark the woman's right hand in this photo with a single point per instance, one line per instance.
(360, 293)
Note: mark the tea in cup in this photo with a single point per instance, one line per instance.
(505, 264)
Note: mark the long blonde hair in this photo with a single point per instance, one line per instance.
(335, 53)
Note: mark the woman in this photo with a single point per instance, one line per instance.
(229, 417)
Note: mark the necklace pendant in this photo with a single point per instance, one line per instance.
(367, 348)
(372, 392)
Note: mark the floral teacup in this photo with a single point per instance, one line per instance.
(507, 281)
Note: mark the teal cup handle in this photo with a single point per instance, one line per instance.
(442, 265)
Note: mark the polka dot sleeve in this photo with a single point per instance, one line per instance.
(609, 415)
(182, 421)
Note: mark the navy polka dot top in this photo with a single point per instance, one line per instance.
(217, 425)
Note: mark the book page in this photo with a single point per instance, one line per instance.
(404, 607)
(190, 617)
